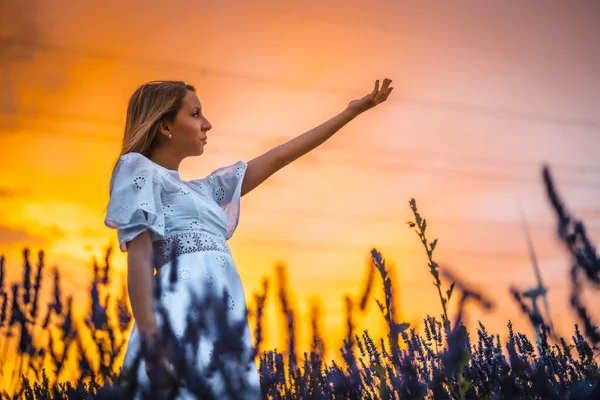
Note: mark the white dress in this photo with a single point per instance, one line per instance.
(194, 219)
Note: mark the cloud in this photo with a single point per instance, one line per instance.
(6, 193)
(17, 235)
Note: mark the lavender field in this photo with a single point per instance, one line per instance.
(441, 361)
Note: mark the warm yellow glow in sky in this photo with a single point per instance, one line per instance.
(482, 95)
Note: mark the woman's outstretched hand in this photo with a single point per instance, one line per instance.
(377, 96)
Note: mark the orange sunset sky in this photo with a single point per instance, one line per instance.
(483, 94)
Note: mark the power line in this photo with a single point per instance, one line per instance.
(397, 167)
(323, 246)
(425, 154)
(11, 113)
(492, 175)
(397, 220)
(438, 104)
(41, 131)
(348, 151)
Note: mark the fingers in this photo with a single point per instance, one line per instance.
(385, 88)
(376, 89)
(382, 95)
(386, 84)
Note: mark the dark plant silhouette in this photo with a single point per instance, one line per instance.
(53, 356)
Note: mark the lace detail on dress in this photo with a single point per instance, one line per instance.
(184, 274)
(220, 195)
(139, 182)
(240, 170)
(221, 261)
(168, 209)
(194, 225)
(225, 188)
(187, 242)
(231, 303)
(210, 280)
(135, 203)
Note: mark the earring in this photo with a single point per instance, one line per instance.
(169, 136)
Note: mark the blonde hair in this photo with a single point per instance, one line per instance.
(150, 104)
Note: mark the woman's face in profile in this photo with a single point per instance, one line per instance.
(190, 127)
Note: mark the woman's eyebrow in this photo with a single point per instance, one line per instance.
(196, 108)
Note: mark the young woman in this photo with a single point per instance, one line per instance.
(159, 216)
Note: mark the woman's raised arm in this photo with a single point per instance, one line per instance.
(265, 165)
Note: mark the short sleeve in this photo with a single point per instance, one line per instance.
(226, 187)
(135, 188)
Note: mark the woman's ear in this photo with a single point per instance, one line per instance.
(164, 128)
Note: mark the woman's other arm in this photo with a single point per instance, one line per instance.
(139, 282)
(141, 295)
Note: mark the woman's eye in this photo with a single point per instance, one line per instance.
(196, 113)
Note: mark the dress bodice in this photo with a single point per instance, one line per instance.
(147, 196)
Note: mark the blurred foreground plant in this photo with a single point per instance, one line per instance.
(442, 362)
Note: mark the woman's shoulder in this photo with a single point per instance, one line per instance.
(136, 167)
(135, 158)
(135, 162)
